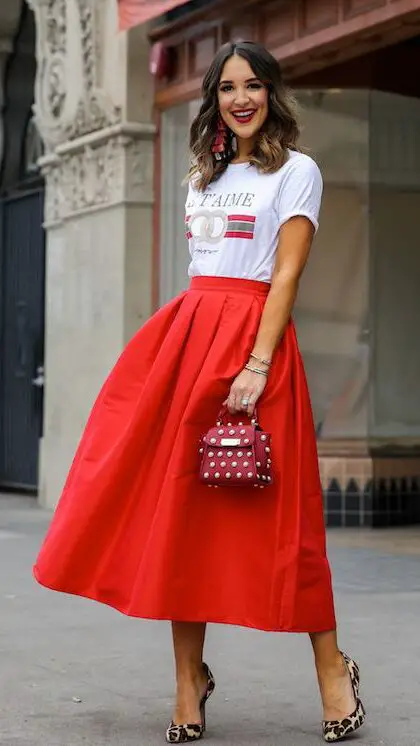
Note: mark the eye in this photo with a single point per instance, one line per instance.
(256, 86)
(226, 88)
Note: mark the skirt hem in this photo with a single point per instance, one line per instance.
(198, 619)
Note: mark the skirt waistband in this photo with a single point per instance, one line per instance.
(234, 284)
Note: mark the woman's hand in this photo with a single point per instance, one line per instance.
(245, 392)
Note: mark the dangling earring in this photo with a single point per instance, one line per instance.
(219, 144)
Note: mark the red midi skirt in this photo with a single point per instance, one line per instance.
(135, 528)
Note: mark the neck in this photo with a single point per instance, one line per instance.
(244, 148)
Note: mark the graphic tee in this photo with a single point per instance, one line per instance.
(233, 226)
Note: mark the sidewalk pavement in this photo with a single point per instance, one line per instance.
(74, 673)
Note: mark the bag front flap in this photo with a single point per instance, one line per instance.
(236, 436)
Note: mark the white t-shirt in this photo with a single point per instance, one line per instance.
(233, 226)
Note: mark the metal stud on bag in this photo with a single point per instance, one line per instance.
(241, 451)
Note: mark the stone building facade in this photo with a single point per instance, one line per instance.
(93, 108)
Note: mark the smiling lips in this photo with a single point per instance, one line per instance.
(243, 117)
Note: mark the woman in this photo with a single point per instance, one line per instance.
(135, 528)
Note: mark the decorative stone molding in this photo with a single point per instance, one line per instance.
(33, 148)
(71, 98)
(99, 170)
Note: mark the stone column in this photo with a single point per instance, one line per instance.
(93, 108)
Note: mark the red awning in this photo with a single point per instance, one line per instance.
(133, 12)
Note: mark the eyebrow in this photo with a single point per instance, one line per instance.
(250, 80)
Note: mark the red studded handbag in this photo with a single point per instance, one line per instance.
(236, 454)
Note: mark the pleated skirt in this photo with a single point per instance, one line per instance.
(135, 529)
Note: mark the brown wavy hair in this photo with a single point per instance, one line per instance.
(279, 132)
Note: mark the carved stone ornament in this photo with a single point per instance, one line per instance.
(99, 170)
(70, 98)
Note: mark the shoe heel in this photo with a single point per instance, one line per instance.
(337, 730)
(192, 731)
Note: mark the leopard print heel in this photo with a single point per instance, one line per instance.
(192, 731)
(337, 730)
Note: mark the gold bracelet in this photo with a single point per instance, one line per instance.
(260, 359)
(256, 370)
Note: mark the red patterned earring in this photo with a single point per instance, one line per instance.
(219, 143)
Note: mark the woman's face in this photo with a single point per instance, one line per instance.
(243, 98)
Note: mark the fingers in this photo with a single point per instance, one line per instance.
(242, 401)
(244, 393)
(230, 402)
(234, 401)
(251, 407)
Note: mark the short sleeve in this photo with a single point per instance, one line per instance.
(300, 190)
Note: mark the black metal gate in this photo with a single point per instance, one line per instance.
(22, 272)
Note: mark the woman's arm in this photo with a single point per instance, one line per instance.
(294, 244)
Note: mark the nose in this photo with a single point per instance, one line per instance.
(242, 96)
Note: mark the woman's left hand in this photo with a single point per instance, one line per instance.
(245, 392)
